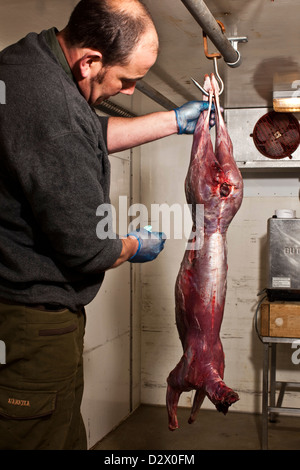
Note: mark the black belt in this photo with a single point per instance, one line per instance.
(51, 307)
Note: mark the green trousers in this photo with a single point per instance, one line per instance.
(41, 381)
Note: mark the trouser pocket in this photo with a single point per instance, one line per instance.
(26, 404)
(54, 348)
(41, 384)
(41, 346)
(24, 418)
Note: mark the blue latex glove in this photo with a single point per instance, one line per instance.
(150, 245)
(188, 114)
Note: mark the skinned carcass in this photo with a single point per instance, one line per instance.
(213, 180)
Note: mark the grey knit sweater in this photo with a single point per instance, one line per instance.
(54, 173)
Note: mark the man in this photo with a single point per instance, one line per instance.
(54, 173)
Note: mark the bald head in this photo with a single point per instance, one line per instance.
(114, 28)
(135, 7)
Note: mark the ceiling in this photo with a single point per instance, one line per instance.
(272, 29)
(271, 26)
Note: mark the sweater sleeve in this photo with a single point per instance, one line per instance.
(65, 181)
(103, 121)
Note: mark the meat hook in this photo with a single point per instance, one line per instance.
(214, 56)
(221, 83)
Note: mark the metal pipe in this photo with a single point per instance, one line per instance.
(155, 95)
(113, 109)
(209, 25)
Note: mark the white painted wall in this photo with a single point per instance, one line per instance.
(19, 17)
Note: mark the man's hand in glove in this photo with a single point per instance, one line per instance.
(188, 114)
(150, 245)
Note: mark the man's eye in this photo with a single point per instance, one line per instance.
(128, 83)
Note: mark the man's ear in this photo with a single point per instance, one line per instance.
(87, 62)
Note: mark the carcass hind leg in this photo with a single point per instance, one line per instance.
(173, 396)
(176, 385)
(198, 400)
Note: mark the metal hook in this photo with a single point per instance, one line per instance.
(214, 57)
(221, 83)
(205, 46)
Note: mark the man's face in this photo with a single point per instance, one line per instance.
(110, 80)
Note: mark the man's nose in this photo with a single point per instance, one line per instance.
(129, 89)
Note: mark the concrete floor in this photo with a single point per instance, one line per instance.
(147, 429)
